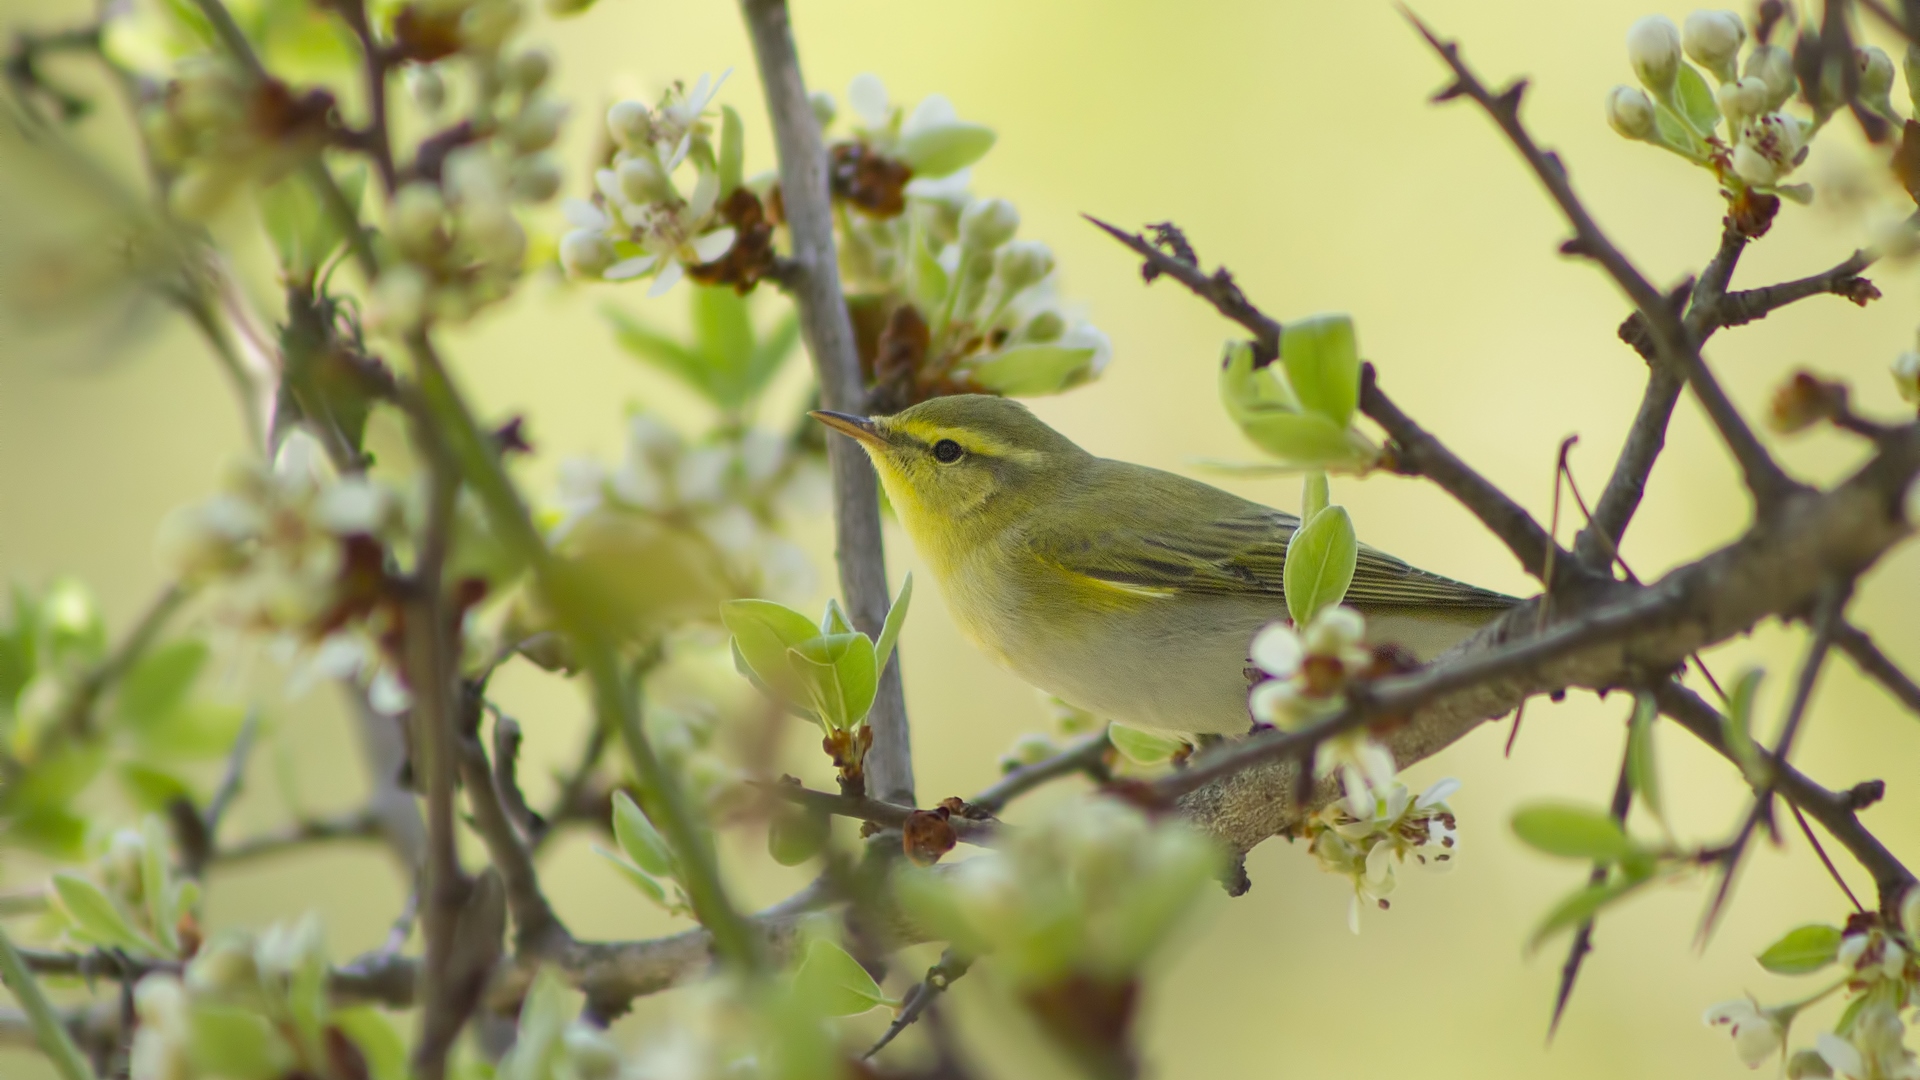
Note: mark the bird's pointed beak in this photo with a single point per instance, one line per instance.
(856, 427)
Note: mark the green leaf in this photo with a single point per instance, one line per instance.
(943, 149)
(639, 839)
(1803, 951)
(1143, 747)
(53, 831)
(733, 139)
(1319, 564)
(929, 279)
(796, 835)
(740, 665)
(155, 887)
(839, 675)
(1031, 370)
(1249, 392)
(152, 789)
(763, 631)
(640, 878)
(197, 729)
(97, 918)
(158, 683)
(834, 982)
(834, 621)
(1674, 131)
(1643, 773)
(664, 353)
(1583, 904)
(1309, 441)
(56, 779)
(723, 332)
(1316, 496)
(382, 1047)
(1322, 359)
(1696, 100)
(236, 1044)
(890, 629)
(1575, 832)
(1739, 726)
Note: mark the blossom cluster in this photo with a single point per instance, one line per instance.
(1365, 842)
(1761, 143)
(1307, 675)
(1878, 964)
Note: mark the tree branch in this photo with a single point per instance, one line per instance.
(1417, 452)
(1677, 348)
(814, 283)
(1860, 648)
(891, 815)
(1844, 280)
(535, 927)
(1217, 288)
(1089, 755)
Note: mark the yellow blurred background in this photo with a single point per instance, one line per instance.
(1294, 143)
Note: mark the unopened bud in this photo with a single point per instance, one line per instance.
(631, 124)
(399, 300)
(417, 212)
(1876, 71)
(1713, 40)
(537, 125)
(1742, 99)
(1046, 326)
(425, 87)
(824, 107)
(536, 178)
(1630, 112)
(641, 180)
(529, 70)
(593, 1055)
(493, 234)
(1805, 400)
(1808, 1065)
(1906, 377)
(1020, 263)
(1653, 48)
(585, 252)
(1773, 65)
(987, 223)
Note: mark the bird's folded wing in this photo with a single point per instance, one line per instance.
(1239, 552)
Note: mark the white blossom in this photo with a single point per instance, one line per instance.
(1757, 1033)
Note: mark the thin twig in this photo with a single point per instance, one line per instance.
(1583, 937)
(1217, 288)
(1088, 755)
(362, 823)
(1676, 347)
(1861, 649)
(1844, 280)
(814, 284)
(536, 929)
(892, 815)
(940, 976)
(1800, 818)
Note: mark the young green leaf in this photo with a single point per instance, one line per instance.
(158, 683)
(839, 675)
(1319, 564)
(928, 279)
(1322, 360)
(723, 332)
(1701, 112)
(97, 918)
(237, 1043)
(1739, 726)
(665, 353)
(746, 670)
(1804, 950)
(1316, 496)
(944, 149)
(639, 839)
(834, 621)
(1309, 441)
(834, 982)
(382, 1047)
(1583, 904)
(1643, 773)
(1031, 370)
(155, 888)
(640, 878)
(796, 835)
(733, 137)
(1143, 747)
(1575, 832)
(890, 629)
(763, 631)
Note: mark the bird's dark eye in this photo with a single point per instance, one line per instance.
(946, 451)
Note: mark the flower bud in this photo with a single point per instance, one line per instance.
(537, 125)
(1808, 1065)
(493, 234)
(631, 124)
(535, 178)
(488, 23)
(824, 107)
(1653, 48)
(1769, 149)
(1742, 99)
(1630, 112)
(641, 180)
(223, 967)
(425, 87)
(1029, 749)
(1876, 71)
(399, 300)
(529, 70)
(1045, 326)
(594, 1056)
(1906, 377)
(585, 253)
(417, 212)
(987, 223)
(1773, 65)
(1020, 263)
(1713, 40)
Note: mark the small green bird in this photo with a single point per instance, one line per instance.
(1127, 591)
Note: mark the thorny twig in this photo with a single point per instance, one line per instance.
(940, 976)
(1583, 937)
